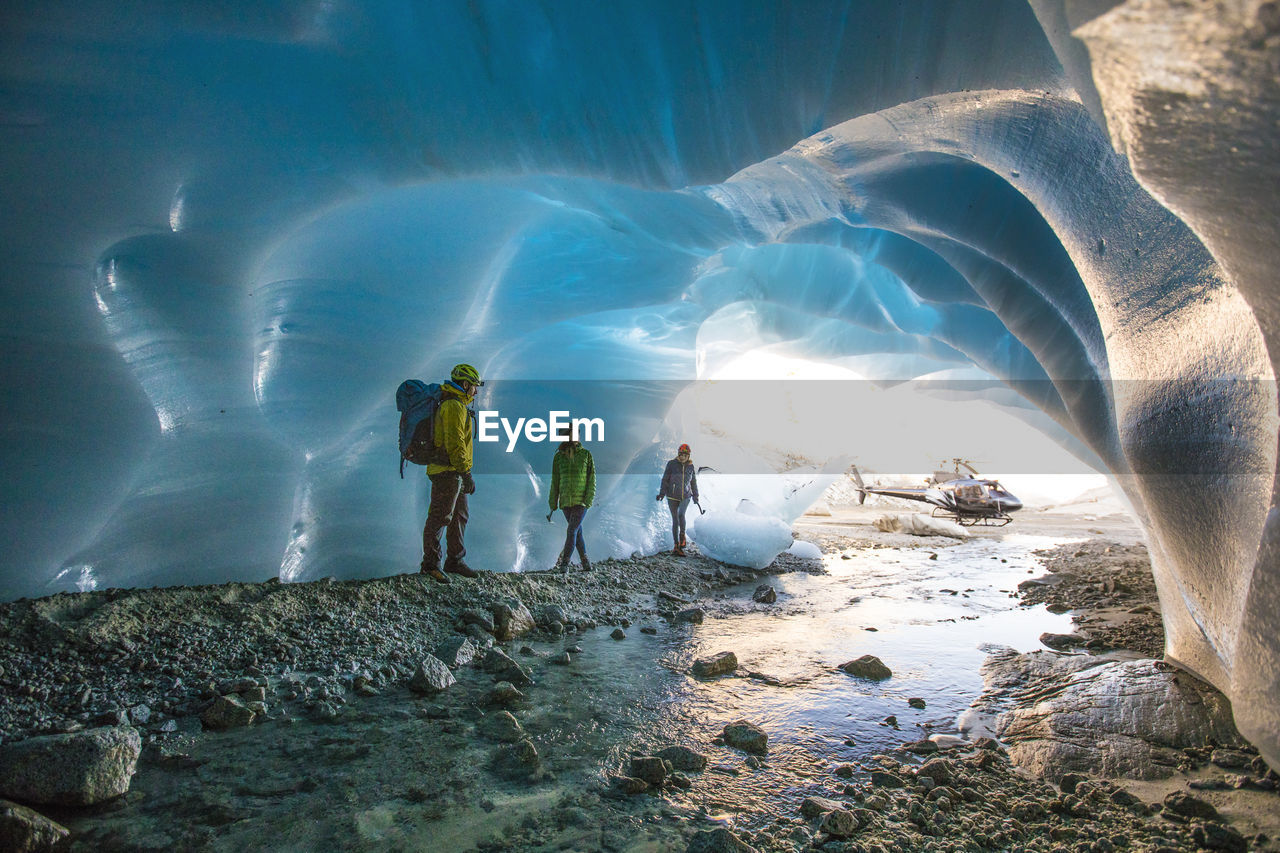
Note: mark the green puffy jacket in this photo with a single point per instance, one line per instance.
(573, 480)
(453, 432)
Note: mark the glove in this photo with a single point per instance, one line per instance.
(659, 497)
(468, 484)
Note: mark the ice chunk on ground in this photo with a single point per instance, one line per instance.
(805, 550)
(752, 541)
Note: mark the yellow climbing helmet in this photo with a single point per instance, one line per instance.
(466, 373)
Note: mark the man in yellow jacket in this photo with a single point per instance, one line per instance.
(450, 475)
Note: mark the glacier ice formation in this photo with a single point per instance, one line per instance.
(232, 231)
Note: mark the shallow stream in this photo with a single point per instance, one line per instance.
(396, 773)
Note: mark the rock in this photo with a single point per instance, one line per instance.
(650, 768)
(692, 615)
(1069, 782)
(554, 613)
(1232, 759)
(845, 771)
(1214, 836)
(679, 780)
(683, 758)
(511, 619)
(916, 702)
(764, 594)
(885, 779)
(1062, 642)
(718, 664)
(504, 693)
(867, 666)
(555, 628)
(940, 770)
(814, 806)
(747, 737)
(77, 769)
(499, 664)
(520, 760)
(140, 714)
(627, 786)
(1107, 718)
(455, 652)
(718, 840)
(23, 830)
(921, 747)
(561, 659)
(672, 597)
(839, 823)
(503, 727)
(649, 629)
(431, 677)
(227, 712)
(1182, 803)
(480, 619)
(618, 634)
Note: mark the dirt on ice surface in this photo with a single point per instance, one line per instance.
(548, 753)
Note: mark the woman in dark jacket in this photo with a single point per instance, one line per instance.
(679, 485)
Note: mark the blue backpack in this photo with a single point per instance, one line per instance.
(417, 402)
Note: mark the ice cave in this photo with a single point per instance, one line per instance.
(233, 229)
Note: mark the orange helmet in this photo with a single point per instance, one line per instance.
(684, 448)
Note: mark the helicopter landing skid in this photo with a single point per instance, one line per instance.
(967, 520)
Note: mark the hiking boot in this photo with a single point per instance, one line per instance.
(434, 573)
(457, 567)
(586, 564)
(677, 551)
(683, 542)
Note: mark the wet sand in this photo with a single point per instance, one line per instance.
(348, 757)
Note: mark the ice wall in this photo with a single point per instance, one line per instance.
(231, 232)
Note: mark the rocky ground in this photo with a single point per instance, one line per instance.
(209, 699)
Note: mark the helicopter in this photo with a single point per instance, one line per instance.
(966, 498)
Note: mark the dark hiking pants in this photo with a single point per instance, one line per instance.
(448, 510)
(677, 518)
(573, 515)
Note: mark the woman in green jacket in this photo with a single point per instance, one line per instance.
(573, 488)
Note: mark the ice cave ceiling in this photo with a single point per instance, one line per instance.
(232, 230)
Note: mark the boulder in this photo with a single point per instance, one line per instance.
(77, 769)
(456, 652)
(499, 664)
(511, 619)
(618, 634)
(764, 594)
(867, 666)
(683, 758)
(718, 664)
(480, 619)
(747, 737)
(431, 677)
(23, 830)
(554, 613)
(228, 712)
(1107, 718)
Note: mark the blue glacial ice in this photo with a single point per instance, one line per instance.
(232, 232)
